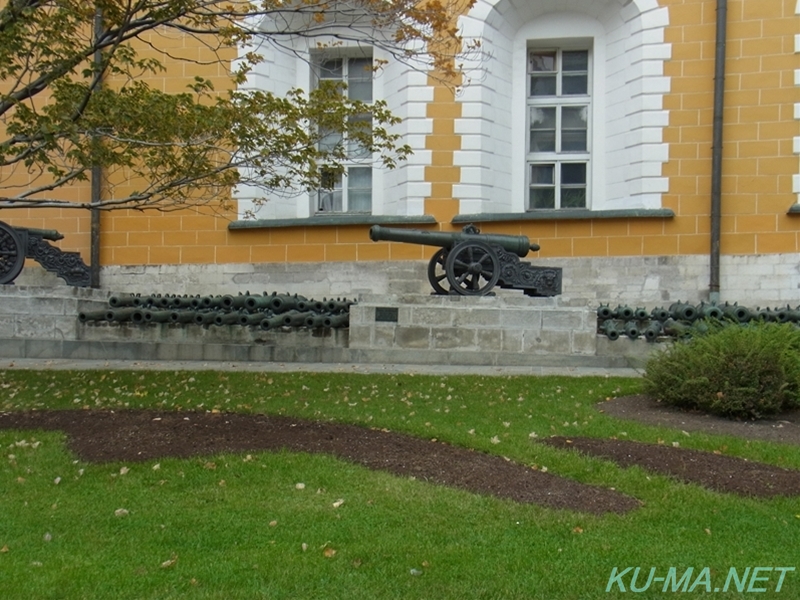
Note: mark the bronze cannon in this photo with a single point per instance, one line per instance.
(19, 243)
(473, 263)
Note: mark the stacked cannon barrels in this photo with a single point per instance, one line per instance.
(682, 319)
(266, 311)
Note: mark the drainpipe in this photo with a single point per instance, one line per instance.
(716, 148)
(97, 176)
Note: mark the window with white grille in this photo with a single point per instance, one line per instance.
(349, 191)
(558, 112)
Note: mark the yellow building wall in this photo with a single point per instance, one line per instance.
(759, 126)
(758, 168)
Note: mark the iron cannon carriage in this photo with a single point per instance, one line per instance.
(19, 243)
(473, 263)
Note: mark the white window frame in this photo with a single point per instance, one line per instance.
(558, 157)
(407, 93)
(325, 201)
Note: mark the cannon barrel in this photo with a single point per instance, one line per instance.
(47, 234)
(611, 329)
(652, 331)
(517, 244)
(632, 329)
(605, 312)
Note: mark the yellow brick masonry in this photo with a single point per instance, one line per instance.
(760, 165)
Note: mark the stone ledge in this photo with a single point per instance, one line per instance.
(567, 214)
(334, 219)
(123, 350)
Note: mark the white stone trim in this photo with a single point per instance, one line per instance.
(628, 116)
(796, 140)
(407, 92)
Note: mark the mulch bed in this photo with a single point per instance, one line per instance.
(782, 429)
(720, 473)
(126, 436)
(105, 436)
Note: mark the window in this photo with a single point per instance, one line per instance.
(351, 190)
(558, 108)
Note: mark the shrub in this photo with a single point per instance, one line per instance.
(742, 372)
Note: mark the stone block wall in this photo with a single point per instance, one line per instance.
(508, 330)
(28, 312)
(490, 325)
(648, 281)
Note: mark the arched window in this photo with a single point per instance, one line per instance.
(550, 80)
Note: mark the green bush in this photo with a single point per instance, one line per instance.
(743, 372)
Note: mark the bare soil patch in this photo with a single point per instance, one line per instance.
(728, 474)
(783, 429)
(120, 436)
(105, 436)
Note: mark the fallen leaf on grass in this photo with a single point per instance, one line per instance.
(338, 503)
(124, 470)
(4, 549)
(121, 512)
(329, 552)
(170, 563)
(273, 523)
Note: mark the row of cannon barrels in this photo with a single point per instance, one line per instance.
(266, 311)
(683, 318)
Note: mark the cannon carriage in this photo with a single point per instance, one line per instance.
(473, 263)
(19, 243)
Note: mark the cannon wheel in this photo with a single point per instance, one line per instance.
(12, 254)
(472, 268)
(437, 272)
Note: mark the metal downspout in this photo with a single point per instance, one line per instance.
(716, 148)
(97, 175)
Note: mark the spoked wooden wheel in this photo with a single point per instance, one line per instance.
(472, 268)
(12, 254)
(437, 272)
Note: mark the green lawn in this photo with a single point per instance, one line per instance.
(239, 526)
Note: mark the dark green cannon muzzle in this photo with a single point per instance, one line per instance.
(47, 234)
